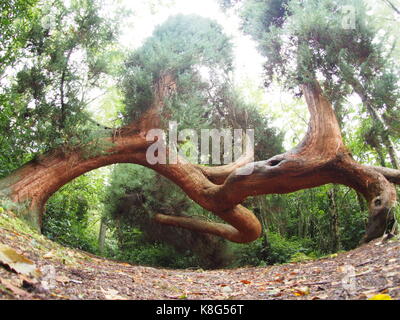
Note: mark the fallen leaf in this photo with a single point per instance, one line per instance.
(274, 293)
(63, 279)
(58, 296)
(381, 297)
(301, 291)
(227, 289)
(48, 281)
(279, 280)
(111, 294)
(320, 297)
(49, 255)
(75, 281)
(17, 262)
(198, 293)
(245, 281)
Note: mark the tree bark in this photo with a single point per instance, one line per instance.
(319, 159)
(102, 235)
(334, 220)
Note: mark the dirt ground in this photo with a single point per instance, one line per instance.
(50, 271)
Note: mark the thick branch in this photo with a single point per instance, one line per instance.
(392, 175)
(319, 159)
(243, 225)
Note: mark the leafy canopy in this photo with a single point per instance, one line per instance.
(61, 54)
(337, 42)
(183, 46)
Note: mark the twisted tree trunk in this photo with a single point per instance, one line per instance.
(319, 159)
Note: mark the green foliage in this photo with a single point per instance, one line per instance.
(61, 55)
(68, 218)
(396, 215)
(183, 46)
(137, 248)
(231, 111)
(299, 226)
(280, 250)
(308, 40)
(300, 257)
(9, 205)
(272, 249)
(14, 22)
(135, 194)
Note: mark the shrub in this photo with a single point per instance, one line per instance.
(273, 249)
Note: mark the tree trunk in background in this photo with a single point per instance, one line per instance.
(102, 235)
(361, 202)
(383, 128)
(387, 143)
(381, 158)
(334, 220)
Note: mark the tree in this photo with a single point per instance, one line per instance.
(308, 40)
(159, 78)
(61, 53)
(14, 21)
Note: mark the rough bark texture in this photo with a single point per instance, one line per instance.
(319, 159)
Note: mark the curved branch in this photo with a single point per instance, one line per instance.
(392, 175)
(243, 225)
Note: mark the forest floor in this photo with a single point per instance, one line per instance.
(33, 267)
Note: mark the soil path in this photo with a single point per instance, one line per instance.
(64, 273)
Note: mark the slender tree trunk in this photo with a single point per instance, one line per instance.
(334, 220)
(380, 156)
(102, 235)
(384, 131)
(361, 202)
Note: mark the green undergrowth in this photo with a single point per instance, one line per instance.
(262, 252)
(11, 221)
(51, 250)
(37, 243)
